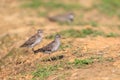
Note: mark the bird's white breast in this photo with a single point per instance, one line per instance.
(36, 42)
(56, 46)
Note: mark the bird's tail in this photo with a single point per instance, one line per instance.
(38, 50)
(51, 18)
(22, 45)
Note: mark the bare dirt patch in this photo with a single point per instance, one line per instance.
(17, 24)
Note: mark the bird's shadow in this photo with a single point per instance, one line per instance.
(54, 58)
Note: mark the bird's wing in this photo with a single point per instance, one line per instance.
(48, 47)
(52, 18)
(30, 41)
(56, 18)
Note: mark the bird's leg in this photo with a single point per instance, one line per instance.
(50, 57)
(33, 49)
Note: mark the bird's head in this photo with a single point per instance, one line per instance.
(40, 32)
(57, 36)
(71, 16)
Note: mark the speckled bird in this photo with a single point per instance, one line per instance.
(68, 17)
(51, 47)
(33, 40)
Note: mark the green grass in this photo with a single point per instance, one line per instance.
(80, 33)
(64, 46)
(42, 14)
(83, 62)
(110, 59)
(112, 35)
(77, 52)
(93, 23)
(50, 36)
(77, 33)
(43, 72)
(50, 4)
(97, 58)
(109, 7)
(32, 4)
(100, 58)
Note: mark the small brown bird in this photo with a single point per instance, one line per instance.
(51, 47)
(69, 17)
(33, 40)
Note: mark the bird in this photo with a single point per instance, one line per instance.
(33, 40)
(52, 46)
(68, 17)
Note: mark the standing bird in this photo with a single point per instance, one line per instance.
(33, 40)
(69, 17)
(51, 47)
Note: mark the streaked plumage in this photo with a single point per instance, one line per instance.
(33, 40)
(69, 17)
(51, 47)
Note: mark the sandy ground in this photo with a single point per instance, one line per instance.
(17, 24)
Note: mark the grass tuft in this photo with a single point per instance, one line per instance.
(109, 7)
(42, 14)
(93, 23)
(64, 46)
(42, 72)
(78, 33)
(83, 62)
(112, 35)
(50, 4)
